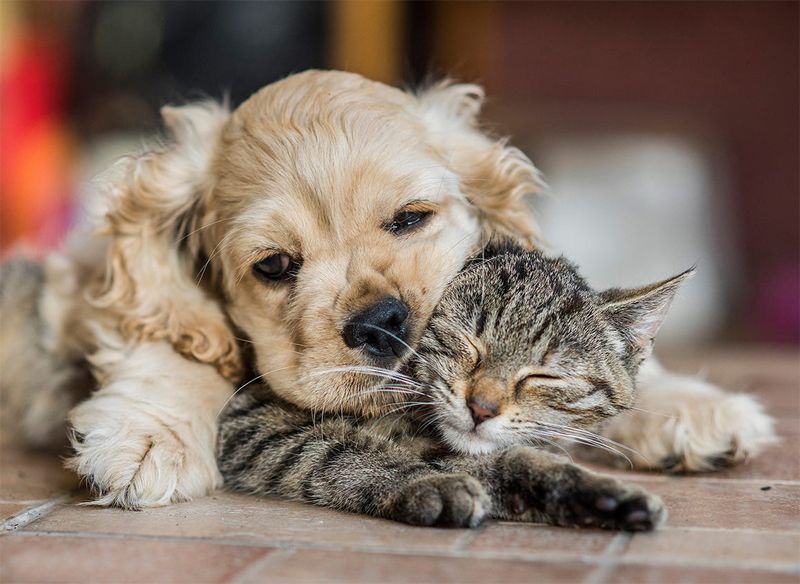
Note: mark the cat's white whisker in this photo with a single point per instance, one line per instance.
(536, 436)
(668, 416)
(601, 439)
(587, 441)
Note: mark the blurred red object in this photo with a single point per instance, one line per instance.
(36, 152)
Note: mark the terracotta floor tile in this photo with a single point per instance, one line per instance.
(780, 399)
(250, 519)
(519, 538)
(711, 546)
(27, 558)
(697, 502)
(32, 476)
(685, 575)
(323, 566)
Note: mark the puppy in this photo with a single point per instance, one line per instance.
(310, 230)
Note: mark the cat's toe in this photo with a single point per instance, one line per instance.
(618, 507)
(443, 501)
(641, 513)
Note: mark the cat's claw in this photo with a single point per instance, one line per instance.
(454, 500)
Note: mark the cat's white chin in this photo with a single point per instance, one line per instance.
(478, 440)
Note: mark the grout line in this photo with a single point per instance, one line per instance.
(608, 556)
(695, 479)
(463, 540)
(23, 502)
(250, 573)
(742, 530)
(28, 516)
(609, 560)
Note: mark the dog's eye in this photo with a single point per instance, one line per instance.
(407, 220)
(276, 268)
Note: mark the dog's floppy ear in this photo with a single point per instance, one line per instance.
(495, 176)
(152, 214)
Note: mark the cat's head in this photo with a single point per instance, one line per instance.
(520, 349)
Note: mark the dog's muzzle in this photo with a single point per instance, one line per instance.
(381, 329)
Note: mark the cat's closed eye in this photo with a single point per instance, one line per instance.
(537, 379)
(541, 376)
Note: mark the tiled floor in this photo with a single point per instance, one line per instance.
(740, 525)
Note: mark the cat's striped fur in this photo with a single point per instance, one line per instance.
(558, 356)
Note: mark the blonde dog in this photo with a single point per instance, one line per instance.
(280, 239)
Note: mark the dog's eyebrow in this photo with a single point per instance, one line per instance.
(419, 206)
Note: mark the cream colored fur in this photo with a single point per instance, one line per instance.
(685, 424)
(313, 166)
(146, 438)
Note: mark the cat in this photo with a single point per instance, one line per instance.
(519, 352)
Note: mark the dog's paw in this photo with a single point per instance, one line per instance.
(694, 431)
(453, 500)
(134, 460)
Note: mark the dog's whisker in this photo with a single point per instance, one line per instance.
(241, 387)
(217, 249)
(204, 227)
(365, 370)
(398, 339)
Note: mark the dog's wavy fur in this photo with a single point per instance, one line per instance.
(172, 317)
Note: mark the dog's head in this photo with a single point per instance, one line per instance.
(319, 223)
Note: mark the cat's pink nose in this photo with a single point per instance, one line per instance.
(482, 410)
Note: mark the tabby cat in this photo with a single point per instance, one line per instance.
(520, 353)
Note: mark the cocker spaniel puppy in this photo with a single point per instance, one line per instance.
(276, 242)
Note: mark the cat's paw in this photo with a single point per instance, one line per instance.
(609, 504)
(544, 487)
(134, 460)
(693, 431)
(452, 500)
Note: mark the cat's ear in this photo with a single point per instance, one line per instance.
(638, 313)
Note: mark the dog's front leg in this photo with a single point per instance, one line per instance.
(146, 437)
(685, 424)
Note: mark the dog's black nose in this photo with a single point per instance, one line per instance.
(381, 328)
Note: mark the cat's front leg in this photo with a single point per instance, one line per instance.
(684, 424)
(271, 448)
(527, 484)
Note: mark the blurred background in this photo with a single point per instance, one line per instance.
(668, 131)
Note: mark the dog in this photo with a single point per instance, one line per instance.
(312, 229)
